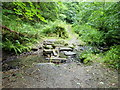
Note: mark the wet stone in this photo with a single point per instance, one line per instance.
(71, 46)
(69, 53)
(47, 51)
(51, 40)
(47, 43)
(65, 49)
(56, 58)
(48, 47)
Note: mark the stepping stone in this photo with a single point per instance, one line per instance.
(51, 40)
(55, 53)
(47, 43)
(65, 49)
(48, 47)
(56, 58)
(71, 46)
(47, 51)
(81, 48)
(39, 64)
(69, 53)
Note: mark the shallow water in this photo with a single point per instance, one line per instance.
(26, 61)
(33, 71)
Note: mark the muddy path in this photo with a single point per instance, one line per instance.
(34, 71)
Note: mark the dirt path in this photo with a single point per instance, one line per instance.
(73, 37)
(69, 75)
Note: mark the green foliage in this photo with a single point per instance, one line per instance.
(97, 23)
(14, 46)
(89, 34)
(56, 28)
(112, 57)
(28, 10)
(50, 10)
(17, 43)
(86, 56)
(17, 16)
(103, 17)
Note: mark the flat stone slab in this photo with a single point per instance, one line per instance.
(48, 47)
(65, 49)
(47, 50)
(51, 40)
(69, 53)
(56, 58)
(38, 64)
(48, 43)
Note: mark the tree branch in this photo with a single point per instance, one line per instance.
(12, 31)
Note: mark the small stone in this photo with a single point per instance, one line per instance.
(71, 46)
(78, 83)
(87, 70)
(115, 77)
(70, 53)
(113, 84)
(101, 82)
(48, 47)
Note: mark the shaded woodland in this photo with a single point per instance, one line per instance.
(96, 23)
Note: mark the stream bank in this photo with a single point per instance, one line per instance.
(40, 69)
(34, 71)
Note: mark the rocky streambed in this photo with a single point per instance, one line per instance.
(56, 65)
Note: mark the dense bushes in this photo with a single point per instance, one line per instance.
(112, 57)
(88, 34)
(20, 41)
(57, 28)
(32, 20)
(98, 26)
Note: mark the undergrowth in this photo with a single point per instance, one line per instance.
(89, 35)
(94, 37)
(112, 57)
(56, 28)
(30, 33)
(18, 43)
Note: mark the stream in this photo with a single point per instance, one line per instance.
(43, 69)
